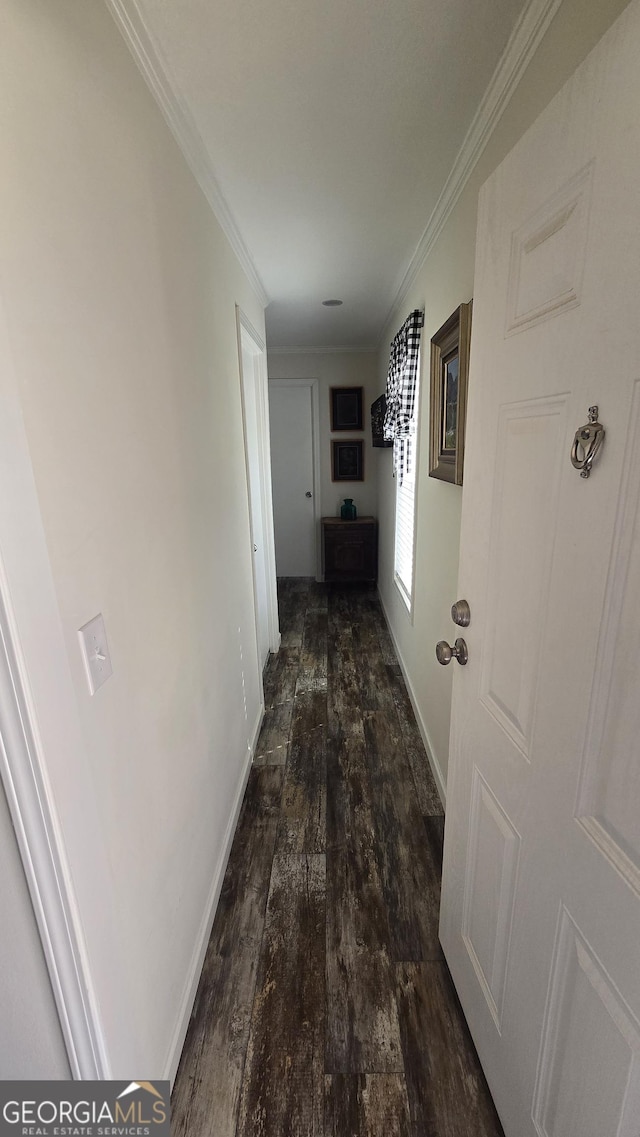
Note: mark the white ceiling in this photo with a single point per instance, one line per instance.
(329, 128)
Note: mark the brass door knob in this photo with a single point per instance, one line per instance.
(445, 653)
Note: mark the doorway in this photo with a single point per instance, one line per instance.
(255, 414)
(295, 455)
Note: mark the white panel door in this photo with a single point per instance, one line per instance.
(540, 914)
(292, 467)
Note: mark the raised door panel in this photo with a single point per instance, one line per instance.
(528, 468)
(547, 256)
(588, 1029)
(490, 883)
(609, 796)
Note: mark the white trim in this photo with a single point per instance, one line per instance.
(174, 1054)
(29, 802)
(522, 45)
(258, 350)
(406, 598)
(157, 75)
(255, 733)
(424, 733)
(33, 673)
(248, 327)
(315, 427)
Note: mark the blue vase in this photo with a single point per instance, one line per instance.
(348, 511)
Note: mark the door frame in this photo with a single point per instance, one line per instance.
(251, 339)
(314, 387)
(38, 716)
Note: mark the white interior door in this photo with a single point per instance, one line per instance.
(291, 414)
(541, 896)
(256, 439)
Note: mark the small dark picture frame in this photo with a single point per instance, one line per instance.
(346, 408)
(347, 460)
(449, 379)
(378, 410)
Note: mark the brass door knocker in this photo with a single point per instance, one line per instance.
(586, 443)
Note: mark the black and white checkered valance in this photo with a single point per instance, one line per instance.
(402, 377)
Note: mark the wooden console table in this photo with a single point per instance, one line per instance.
(350, 549)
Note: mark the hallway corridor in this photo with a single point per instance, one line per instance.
(325, 1008)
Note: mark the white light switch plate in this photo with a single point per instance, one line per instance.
(95, 652)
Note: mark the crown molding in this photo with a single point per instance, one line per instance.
(522, 45)
(156, 73)
(370, 350)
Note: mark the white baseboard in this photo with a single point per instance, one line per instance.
(257, 726)
(202, 940)
(424, 733)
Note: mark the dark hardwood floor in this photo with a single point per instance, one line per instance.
(325, 1007)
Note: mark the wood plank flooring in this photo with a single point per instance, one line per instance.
(325, 1007)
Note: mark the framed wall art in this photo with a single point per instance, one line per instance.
(449, 378)
(378, 410)
(347, 460)
(346, 408)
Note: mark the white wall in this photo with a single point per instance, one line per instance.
(338, 369)
(120, 292)
(445, 281)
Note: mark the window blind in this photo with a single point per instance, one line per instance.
(400, 425)
(405, 525)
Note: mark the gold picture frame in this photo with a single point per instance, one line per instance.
(449, 381)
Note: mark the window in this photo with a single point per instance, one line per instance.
(400, 427)
(405, 519)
